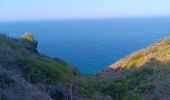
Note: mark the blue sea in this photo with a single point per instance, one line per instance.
(91, 45)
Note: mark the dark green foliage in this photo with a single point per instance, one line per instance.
(48, 73)
(138, 75)
(5, 81)
(132, 96)
(89, 88)
(18, 43)
(41, 67)
(56, 92)
(29, 45)
(38, 66)
(35, 67)
(145, 86)
(141, 73)
(117, 89)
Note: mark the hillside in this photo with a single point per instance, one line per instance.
(159, 51)
(156, 56)
(26, 74)
(30, 73)
(149, 67)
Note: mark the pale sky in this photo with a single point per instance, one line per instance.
(16, 10)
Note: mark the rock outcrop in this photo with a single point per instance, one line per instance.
(28, 36)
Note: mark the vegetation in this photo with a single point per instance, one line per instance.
(38, 69)
(28, 36)
(132, 96)
(118, 88)
(139, 74)
(5, 81)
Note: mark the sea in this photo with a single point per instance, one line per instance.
(91, 44)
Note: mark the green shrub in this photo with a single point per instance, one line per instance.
(139, 74)
(145, 86)
(132, 96)
(117, 89)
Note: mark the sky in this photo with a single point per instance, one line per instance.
(14, 10)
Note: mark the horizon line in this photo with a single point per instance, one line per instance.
(71, 19)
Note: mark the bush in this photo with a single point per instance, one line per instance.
(117, 89)
(132, 96)
(137, 76)
(4, 80)
(145, 86)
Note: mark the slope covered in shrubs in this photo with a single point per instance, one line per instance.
(27, 74)
(147, 70)
(50, 75)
